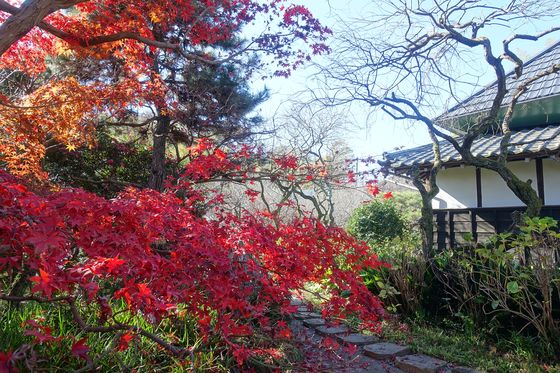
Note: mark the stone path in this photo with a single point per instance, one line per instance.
(334, 348)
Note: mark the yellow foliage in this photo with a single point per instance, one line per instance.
(59, 111)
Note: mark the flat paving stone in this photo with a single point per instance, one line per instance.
(296, 302)
(385, 350)
(332, 330)
(303, 309)
(313, 323)
(301, 315)
(364, 364)
(306, 315)
(358, 339)
(420, 363)
(314, 315)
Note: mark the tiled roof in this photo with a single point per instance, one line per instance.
(534, 141)
(542, 88)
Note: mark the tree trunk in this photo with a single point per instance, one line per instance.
(427, 192)
(24, 18)
(427, 227)
(523, 191)
(157, 175)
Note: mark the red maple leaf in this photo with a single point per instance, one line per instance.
(43, 283)
(80, 349)
(124, 341)
(6, 362)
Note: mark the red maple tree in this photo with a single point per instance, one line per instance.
(154, 251)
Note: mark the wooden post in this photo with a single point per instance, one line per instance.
(474, 226)
(478, 188)
(451, 223)
(540, 178)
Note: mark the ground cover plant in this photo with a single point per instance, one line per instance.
(467, 344)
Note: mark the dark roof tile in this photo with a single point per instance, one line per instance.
(540, 140)
(544, 87)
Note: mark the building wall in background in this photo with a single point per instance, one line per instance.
(551, 175)
(458, 186)
(495, 192)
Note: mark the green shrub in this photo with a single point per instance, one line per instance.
(409, 204)
(105, 169)
(386, 226)
(376, 221)
(512, 282)
(400, 286)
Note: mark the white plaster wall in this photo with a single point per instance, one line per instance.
(457, 188)
(495, 192)
(551, 176)
(458, 185)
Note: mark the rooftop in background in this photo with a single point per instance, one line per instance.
(538, 106)
(526, 143)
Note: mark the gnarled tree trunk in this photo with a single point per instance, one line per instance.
(428, 191)
(522, 189)
(157, 175)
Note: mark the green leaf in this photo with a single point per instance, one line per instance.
(495, 304)
(513, 287)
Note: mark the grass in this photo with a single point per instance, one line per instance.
(143, 355)
(473, 348)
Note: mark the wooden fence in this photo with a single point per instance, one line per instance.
(451, 226)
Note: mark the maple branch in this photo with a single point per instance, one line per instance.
(505, 142)
(129, 124)
(32, 298)
(106, 329)
(509, 55)
(30, 14)
(37, 16)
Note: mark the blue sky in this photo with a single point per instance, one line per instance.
(371, 133)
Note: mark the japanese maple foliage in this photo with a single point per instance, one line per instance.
(157, 254)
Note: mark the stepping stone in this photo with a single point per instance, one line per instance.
(303, 309)
(385, 350)
(296, 302)
(301, 315)
(358, 339)
(313, 323)
(420, 364)
(364, 364)
(306, 315)
(332, 330)
(464, 370)
(313, 315)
